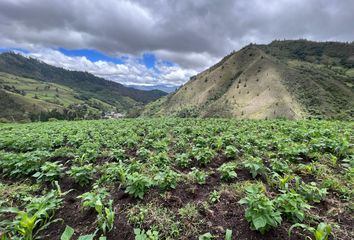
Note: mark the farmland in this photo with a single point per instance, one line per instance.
(173, 178)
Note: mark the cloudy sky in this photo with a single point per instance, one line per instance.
(161, 42)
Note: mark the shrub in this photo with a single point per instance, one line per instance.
(82, 174)
(183, 160)
(167, 179)
(137, 185)
(312, 193)
(260, 210)
(231, 151)
(255, 166)
(227, 171)
(203, 155)
(199, 176)
(50, 171)
(293, 205)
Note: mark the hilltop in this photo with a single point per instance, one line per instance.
(284, 79)
(29, 86)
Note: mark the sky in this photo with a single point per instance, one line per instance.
(153, 42)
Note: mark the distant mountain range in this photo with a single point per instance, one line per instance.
(161, 87)
(284, 79)
(29, 86)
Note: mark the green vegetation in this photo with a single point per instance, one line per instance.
(174, 178)
(33, 90)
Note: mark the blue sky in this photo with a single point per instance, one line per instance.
(144, 69)
(91, 54)
(147, 59)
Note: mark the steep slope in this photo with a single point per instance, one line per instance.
(22, 98)
(88, 85)
(262, 81)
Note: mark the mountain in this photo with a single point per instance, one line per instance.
(161, 87)
(28, 82)
(291, 79)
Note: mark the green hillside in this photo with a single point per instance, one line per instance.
(21, 97)
(285, 79)
(33, 87)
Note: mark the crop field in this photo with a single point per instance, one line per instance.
(175, 178)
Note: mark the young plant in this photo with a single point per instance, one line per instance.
(199, 176)
(214, 196)
(260, 210)
(113, 172)
(312, 193)
(228, 234)
(183, 160)
(137, 185)
(206, 236)
(227, 171)
(255, 166)
(38, 215)
(293, 205)
(141, 234)
(50, 171)
(167, 179)
(83, 175)
(322, 232)
(160, 159)
(203, 155)
(69, 232)
(97, 199)
(231, 151)
(23, 225)
(91, 199)
(105, 217)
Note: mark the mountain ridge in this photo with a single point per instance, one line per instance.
(290, 79)
(31, 89)
(101, 88)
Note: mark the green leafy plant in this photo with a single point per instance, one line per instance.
(260, 210)
(50, 171)
(91, 199)
(37, 215)
(322, 232)
(97, 199)
(227, 171)
(203, 155)
(167, 179)
(255, 166)
(183, 160)
(199, 176)
(228, 234)
(214, 196)
(114, 172)
(311, 192)
(206, 236)
(231, 151)
(69, 232)
(137, 184)
(105, 217)
(141, 234)
(292, 205)
(82, 174)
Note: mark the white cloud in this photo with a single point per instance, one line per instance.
(132, 71)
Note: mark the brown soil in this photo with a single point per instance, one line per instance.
(226, 214)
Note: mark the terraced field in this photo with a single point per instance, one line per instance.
(177, 179)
